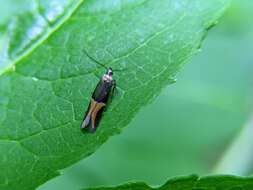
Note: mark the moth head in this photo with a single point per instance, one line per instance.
(109, 72)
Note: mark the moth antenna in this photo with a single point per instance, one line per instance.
(96, 61)
(99, 63)
(119, 70)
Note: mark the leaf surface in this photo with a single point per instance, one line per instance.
(45, 92)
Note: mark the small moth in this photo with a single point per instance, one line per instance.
(99, 99)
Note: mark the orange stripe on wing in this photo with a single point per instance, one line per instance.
(94, 113)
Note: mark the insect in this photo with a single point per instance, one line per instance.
(99, 99)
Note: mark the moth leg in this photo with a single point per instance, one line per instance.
(87, 118)
(113, 86)
(94, 114)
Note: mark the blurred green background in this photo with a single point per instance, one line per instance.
(189, 126)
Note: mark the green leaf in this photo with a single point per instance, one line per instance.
(191, 183)
(44, 94)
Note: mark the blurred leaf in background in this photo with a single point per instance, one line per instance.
(189, 183)
(189, 126)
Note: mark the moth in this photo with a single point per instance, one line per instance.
(99, 99)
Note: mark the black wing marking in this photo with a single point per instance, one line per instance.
(112, 92)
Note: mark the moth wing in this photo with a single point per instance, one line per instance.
(87, 117)
(113, 91)
(96, 116)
